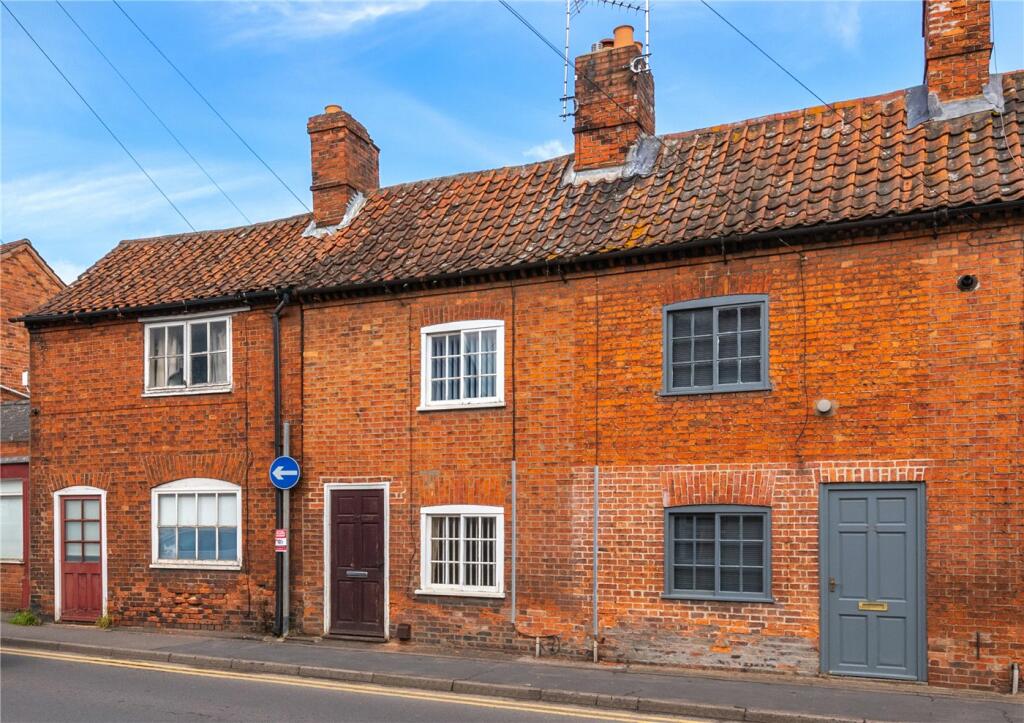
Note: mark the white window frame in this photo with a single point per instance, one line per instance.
(20, 494)
(426, 587)
(195, 485)
(188, 388)
(426, 332)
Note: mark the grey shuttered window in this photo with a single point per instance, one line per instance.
(718, 552)
(716, 345)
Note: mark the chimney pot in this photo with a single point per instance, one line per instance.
(332, 108)
(624, 36)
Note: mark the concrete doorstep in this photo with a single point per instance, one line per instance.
(469, 687)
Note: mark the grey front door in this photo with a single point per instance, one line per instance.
(872, 583)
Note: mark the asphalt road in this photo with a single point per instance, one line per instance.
(62, 687)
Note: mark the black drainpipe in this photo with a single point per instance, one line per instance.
(280, 582)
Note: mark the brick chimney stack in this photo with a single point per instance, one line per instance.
(605, 131)
(345, 162)
(957, 46)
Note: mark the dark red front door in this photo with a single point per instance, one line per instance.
(81, 583)
(357, 562)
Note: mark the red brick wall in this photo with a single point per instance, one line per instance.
(958, 43)
(24, 285)
(926, 380)
(95, 428)
(12, 577)
(927, 384)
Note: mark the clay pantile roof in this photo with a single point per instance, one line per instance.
(203, 265)
(799, 169)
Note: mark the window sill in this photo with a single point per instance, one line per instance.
(707, 391)
(189, 392)
(717, 598)
(11, 561)
(460, 593)
(449, 407)
(184, 565)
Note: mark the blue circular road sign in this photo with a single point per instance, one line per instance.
(284, 473)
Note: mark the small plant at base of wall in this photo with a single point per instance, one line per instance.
(104, 622)
(25, 617)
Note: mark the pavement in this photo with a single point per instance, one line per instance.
(755, 697)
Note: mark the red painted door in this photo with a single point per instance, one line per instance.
(81, 559)
(357, 562)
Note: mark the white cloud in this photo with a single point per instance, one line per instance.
(68, 271)
(842, 22)
(548, 149)
(309, 19)
(112, 192)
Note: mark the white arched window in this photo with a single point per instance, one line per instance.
(197, 524)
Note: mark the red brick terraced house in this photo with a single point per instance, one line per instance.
(743, 397)
(26, 282)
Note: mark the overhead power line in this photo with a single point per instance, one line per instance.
(767, 55)
(98, 116)
(531, 28)
(210, 105)
(153, 112)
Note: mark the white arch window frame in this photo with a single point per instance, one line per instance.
(195, 485)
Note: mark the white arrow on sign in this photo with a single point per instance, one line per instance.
(279, 472)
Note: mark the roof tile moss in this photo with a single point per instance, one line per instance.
(777, 172)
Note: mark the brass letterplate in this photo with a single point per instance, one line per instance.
(880, 607)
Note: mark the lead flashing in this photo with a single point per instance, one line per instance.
(355, 205)
(923, 106)
(639, 162)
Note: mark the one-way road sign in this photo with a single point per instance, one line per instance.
(284, 473)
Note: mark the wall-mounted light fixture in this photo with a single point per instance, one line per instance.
(824, 407)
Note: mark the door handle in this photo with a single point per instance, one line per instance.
(831, 584)
(356, 573)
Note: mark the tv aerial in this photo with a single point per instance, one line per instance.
(641, 65)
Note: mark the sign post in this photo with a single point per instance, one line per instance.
(284, 475)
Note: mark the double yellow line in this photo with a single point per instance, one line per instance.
(358, 688)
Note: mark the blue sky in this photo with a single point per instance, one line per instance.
(443, 87)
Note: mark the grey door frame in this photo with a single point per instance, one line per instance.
(823, 556)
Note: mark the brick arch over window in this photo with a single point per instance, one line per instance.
(161, 468)
(450, 312)
(751, 485)
(871, 470)
(51, 482)
(441, 488)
